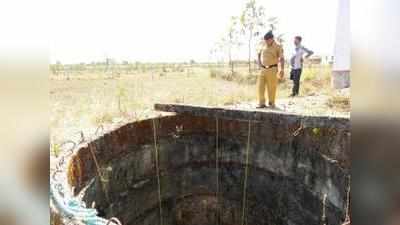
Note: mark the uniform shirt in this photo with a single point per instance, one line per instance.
(296, 60)
(270, 54)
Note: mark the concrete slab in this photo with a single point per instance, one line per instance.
(256, 115)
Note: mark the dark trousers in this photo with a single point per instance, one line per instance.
(295, 75)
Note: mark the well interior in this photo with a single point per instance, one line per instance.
(201, 177)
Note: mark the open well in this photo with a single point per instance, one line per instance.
(213, 166)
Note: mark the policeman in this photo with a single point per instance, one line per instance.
(268, 58)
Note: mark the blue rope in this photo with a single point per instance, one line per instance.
(74, 209)
(70, 207)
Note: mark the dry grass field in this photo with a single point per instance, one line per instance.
(83, 102)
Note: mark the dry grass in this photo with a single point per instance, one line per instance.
(340, 103)
(86, 101)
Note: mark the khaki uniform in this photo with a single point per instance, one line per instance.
(268, 78)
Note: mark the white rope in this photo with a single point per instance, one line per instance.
(114, 220)
(63, 201)
(324, 210)
(157, 170)
(217, 167)
(246, 174)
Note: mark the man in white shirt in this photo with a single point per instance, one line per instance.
(296, 63)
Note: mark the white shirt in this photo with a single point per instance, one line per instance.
(296, 60)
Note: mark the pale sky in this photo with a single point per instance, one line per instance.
(174, 30)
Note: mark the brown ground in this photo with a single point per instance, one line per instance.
(85, 102)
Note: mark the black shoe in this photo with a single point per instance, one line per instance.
(292, 95)
(261, 106)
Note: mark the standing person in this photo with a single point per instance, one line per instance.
(296, 63)
(268, 58)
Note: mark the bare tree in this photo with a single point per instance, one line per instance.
(252, 22)
(218, 51)
(233, 40)
(273, 23)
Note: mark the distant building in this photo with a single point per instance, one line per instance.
(341, 60)
(314, 60)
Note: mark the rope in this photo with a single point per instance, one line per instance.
(217, 167)
(348, 203)
(297, 132)
(71, 208)
(102, 179)
(157, 169)
(99, 128)
(70, 150)
(74, 209)
(246, 173)
(323, 219)
(113, 219)
(82, 137)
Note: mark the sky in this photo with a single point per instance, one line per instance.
(174, 30)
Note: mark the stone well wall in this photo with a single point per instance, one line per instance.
(289, 171)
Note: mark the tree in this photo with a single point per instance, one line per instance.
(218, 51)
(233, 40)
(213, 54)
(252, 22)
(273, 24)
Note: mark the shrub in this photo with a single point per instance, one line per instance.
(215, 73)
(339, 102)
(103, 118)
(212, 73)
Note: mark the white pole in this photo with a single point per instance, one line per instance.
(342, 54)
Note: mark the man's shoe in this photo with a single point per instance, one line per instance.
(292, 95)
(272, 105)
(261, 106)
